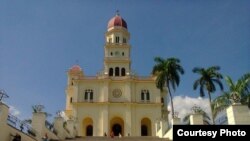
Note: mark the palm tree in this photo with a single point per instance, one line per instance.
(245, 97)
(239, 92)
(209, 77)
(220, 103)
(168, 74)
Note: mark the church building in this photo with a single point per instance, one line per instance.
(115, 100)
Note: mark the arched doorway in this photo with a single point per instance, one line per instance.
(146, 127)
(89, 130)
(87, 127)
(117, 129)
(117, 126)
(144, 130)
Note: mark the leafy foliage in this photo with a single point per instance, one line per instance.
(239, 89)
(208, 78)
(168, 75)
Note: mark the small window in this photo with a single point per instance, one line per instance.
(123, 71)
(110, 40)
(122, 53)
(111, 53)
(91, 96)
(88, 95)
(117, 73)
(72, 83)
(142, 96)
(145, 96)
(71, 99)
(117, 39)
(124, 40)
(111, 71)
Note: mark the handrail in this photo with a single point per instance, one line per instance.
(20, 125)
(50, 127)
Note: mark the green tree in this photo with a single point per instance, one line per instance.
(239, 92)
(208, 78)
(168, 75)
(245, 97)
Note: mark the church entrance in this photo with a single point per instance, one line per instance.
(117, 129)
(87, 127)
(146, 127)
(117, 126)
(89, 130)
(144, 130)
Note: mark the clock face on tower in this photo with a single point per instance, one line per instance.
(117, 93)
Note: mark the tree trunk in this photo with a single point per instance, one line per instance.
(172, 105)
(210, 102)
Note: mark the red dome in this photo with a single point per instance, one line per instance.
(75, 68)
(117, 21)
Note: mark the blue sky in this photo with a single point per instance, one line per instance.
(41, 40)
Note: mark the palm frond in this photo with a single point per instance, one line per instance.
(229, 82)
(202, 94)
(217, 81)
(197, 70)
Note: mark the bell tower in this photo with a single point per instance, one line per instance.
(117, 48)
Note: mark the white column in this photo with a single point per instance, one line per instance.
(163, 127)
(70, 125)
(105, 122)
(238, 114)
(196, 119)
(176, 121)
(127, 121)
(58, 125)
(38, 124)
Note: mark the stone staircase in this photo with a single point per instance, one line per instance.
(118, 139)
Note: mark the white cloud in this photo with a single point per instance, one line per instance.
(63, 115)
(14, 111)
(183, 105)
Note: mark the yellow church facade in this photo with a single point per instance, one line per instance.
(115, 100)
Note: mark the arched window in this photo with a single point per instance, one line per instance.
(117, 73)
(124, 40)
(88, 95)
(111, 53)
(72, 83)
(145, 96)
(91, 96)
(123, 71)
(111, 71)
(142, 96)
(117, 39)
